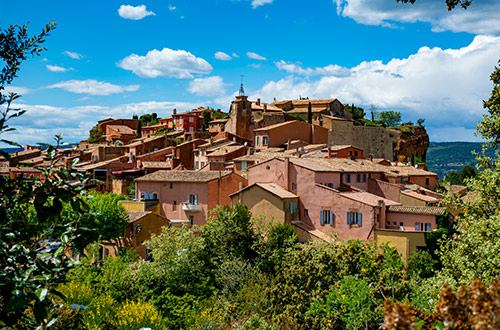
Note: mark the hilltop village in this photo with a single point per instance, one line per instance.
(326, 178)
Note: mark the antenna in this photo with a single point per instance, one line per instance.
(242, 90)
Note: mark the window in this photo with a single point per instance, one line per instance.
(191, 220)
(171, 185)
(348, 178)
(350, 153)
(356, 153)
(388, 223)
(108, 131)
(354, 218)
(265, 140)
(427, 227)
(243, 165)
(196, 165)
(427, 181)
(212, 125)
(306, 212)
(244, 176)
(417, 226)
(155, 196)
(326, 217)
(257, 140)
(364, 177)
(294, 186)
(174, 206)
(293, 207)
(191, 119)
(192, 199)
(358, 177)
(191, 129)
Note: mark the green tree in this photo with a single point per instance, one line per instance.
(105, 220)
(33, 256)
(309, 113)
(489, 127)
(139, 129)
(207, 116)
(420, 121)
(95, 135)
(390, 118)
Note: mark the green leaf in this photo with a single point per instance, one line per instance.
(16, 303)
(41, 293)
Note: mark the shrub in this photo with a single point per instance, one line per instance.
(135, 315)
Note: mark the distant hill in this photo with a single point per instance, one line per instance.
(444, 157)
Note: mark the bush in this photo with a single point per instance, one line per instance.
(135, 315)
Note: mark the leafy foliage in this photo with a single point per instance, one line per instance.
(489, 128)
(390, 118)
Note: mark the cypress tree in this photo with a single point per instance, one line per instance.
(309, 113)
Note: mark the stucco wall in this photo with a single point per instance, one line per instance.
(404, 242)
(421, 181)
(410, 201)
(385, 189)
(408, 220)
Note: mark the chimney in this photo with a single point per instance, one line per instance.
(371, 157)
(174, 111)
(265, 107)
(421, 166)
(287, 171)
(258, 101)
(329, 152)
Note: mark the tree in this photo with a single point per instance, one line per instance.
(420, 121)
(489, 128)
(33, 254)
(309, 113)
(390, 118)
(105, 220)
(95, 135)
(139, 129)
(207, 116)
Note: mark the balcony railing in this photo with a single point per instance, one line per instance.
(188, 207)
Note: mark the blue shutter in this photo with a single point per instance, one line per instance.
(417, 226)
(360, 216)
(187, 198)
(195, 199)
(348, 218)
(321, 221)
(331, 217)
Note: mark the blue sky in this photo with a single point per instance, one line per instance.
(116, 58)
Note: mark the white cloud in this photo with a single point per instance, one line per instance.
(256, 65)
(480, 18)
(74, 55)
(19, 90)
(258, 3)
(446, 87)
(135, 13)
(171, 8)
(93, 87)
(235, 55)
(41, 122)
(329, 70)
(165, 63)
(209, 86)
(222, 56)
(57, 68)
(256, 56)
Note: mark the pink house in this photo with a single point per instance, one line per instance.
(188, 195)
(329, 202)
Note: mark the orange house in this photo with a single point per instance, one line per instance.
(119, 133)
(279, 134)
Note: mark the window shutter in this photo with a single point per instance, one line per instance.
(195, 199)
(348, 218)
(360, 216)
(321, 220)
(417, 226)
(331, 217)
(187, 198)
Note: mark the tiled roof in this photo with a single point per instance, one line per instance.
(220, 120)
(316, 101)
(338, 165)
(182, 176)
(422, 197)
(286, 123)
(136, 215)
(429, 210)
(305, 110)
(138, 142)
(275, 189)
(367, 198)
(336, 118)
(156, 164)
(224, 150)
(103, 163)
(407, 170)
(340, 147)
(122, 129)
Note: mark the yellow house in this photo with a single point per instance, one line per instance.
(405, 242)
(270, 201)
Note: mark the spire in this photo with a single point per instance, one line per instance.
(242, 90)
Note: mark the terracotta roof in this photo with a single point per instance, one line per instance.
(103, 163)
(338, 165)
(407, 170)
(136, 215)
(183, 176)
(336, 118)
(156, 164)
(224, 150)
(286, 123)
(305, 110)
(138, 142)
(220, 120)
(262, 156)
(273, 188)
(122, 129)
(430, 210)
(314, 232)
(340, 147)
(367, 198)
(425, 198)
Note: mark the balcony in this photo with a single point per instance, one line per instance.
(188, 207)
